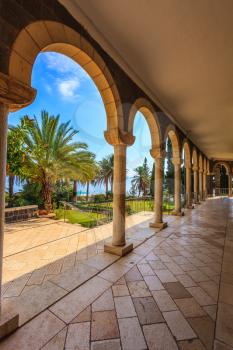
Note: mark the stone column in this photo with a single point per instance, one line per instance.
(200, 184)
(230, 184)
(188, 186)
(204, 185)
(158, 190)
(177, 186)
(118, 246)
(13, 95)
(195, 184)
(3, 152)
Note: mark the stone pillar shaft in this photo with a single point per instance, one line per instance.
(3, 153)
(119, 185)
(230, 185)
(201, 184)
(195, 184)
(158, 191)
(177, 186)
(188, 186)
(204, 185)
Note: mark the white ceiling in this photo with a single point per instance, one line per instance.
(180, 52)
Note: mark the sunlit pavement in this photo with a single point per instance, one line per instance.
(163, 295)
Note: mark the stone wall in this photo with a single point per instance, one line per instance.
(20, 213)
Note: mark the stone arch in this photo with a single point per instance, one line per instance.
(187, 152)
(42, 36)
(200, 162)
(225, 164)
(172, 134)
(144, 106)
(194, 158)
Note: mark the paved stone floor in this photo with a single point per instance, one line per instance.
(174, 291)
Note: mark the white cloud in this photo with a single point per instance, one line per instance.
(69, 75)
(68, 88)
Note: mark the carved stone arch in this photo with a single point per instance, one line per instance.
(194, 157)
(41, 36)
(144, 106)
(187, 153)
(173, 135)
(200, 162)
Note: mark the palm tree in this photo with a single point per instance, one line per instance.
(140, 181)
(52, 155)
(105, 172)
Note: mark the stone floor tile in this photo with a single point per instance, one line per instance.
(211, 288)
(113, 344)
(201, 296)
(124, 307)
(204, 328)
(221, 346)
(57, 342)
(147, 310)
(198, 276)
(28, 337)
(193, 344)
(104, 302)
(138, 289)
(226, 293)
(145, 269)
(77, 301)
(131, 334)
(174, 268)
(133, 275)
(165, 258)
(120, 290)
(158, 337)
(152, 257)
(101, 261)
(36, 300)
(84, 316)
(178, 325)
(176, 290)
(189, 307)
(165, 276)
(153, 283)
(164, 301)
(78, 336)
(188, 267)
(211, 310)
(186, 280)
(157, 265)
(224, 325)
(104, 325)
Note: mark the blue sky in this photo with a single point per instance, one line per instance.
(64, 88)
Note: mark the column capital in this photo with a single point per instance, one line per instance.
(195, 168)
(15, 94)
(116, 137)
(200, 171)
(176, 161)
(157, 153)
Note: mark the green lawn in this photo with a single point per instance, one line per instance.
(82, 218)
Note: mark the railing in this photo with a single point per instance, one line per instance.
(219, 192)
(91, 214)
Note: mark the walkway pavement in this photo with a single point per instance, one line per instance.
(163, 295)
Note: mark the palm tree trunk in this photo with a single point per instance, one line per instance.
(87, 191)
(11, 181)
(75, 187)
(106, 187)
(47, 196)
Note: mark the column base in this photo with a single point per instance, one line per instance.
(175, 213)
(190, 207)
(160, 225)
(118, 250)
(9, 322)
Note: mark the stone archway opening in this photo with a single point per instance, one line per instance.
(50, 36)
(221, 179)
